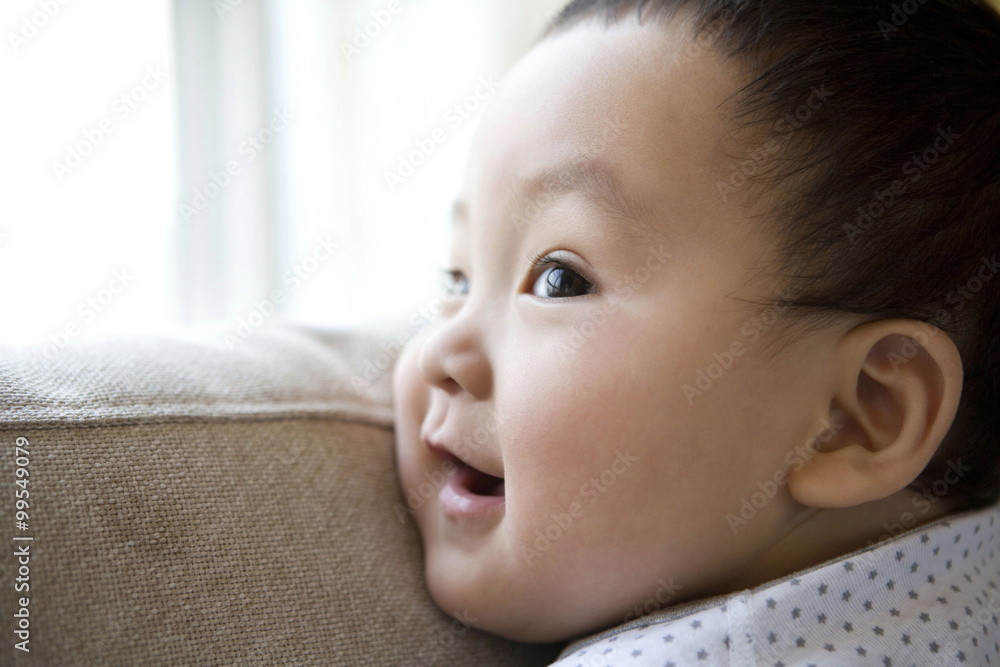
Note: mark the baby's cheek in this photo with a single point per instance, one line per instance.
(410, 404)
(408, 388)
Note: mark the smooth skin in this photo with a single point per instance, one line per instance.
(602, 150)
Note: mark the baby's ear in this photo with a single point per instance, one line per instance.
(895, 386)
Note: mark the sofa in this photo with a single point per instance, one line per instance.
(199, 500)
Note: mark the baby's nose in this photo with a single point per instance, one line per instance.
(453, 357)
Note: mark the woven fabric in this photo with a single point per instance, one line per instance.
(192, 505)
(926, 597)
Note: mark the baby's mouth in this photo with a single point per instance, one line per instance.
(476, 482)
(469, 494)
(467, 478)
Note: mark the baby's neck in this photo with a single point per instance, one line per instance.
(817, 535)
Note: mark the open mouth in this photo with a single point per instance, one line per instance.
(470, 493)
(476, 482)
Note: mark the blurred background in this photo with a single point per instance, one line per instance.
(223, 163)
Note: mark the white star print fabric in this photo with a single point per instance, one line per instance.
(928, 597)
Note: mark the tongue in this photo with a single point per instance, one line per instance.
(479, 483)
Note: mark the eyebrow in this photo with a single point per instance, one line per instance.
(592, 178)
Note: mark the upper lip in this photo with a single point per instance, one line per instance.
(445, 451)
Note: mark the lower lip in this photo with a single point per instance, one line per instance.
(459, 503)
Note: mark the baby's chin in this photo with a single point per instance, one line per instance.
(509, 621)
(517, 609)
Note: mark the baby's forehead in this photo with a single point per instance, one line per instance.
(619, 116)
(589, 179)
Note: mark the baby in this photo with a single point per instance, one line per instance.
(717, 381)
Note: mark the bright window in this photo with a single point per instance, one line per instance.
(89, 163)
(191, 162)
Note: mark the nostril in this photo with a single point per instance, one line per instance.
(453, 358)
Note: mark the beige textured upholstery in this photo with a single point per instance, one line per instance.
(195, 505)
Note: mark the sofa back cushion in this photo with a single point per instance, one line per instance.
(192, 504)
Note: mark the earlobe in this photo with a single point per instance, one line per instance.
(895, 387)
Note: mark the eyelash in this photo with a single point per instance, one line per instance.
(540, 261)
(544, 260)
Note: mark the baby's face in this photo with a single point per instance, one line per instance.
(605, 273)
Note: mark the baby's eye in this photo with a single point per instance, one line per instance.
(456, 283)
(558, 281)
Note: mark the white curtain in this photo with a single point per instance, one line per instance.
(87, 176)
(368, 155)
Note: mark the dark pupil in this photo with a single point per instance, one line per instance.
(563, 282)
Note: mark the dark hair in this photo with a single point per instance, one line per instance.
(887, 184)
